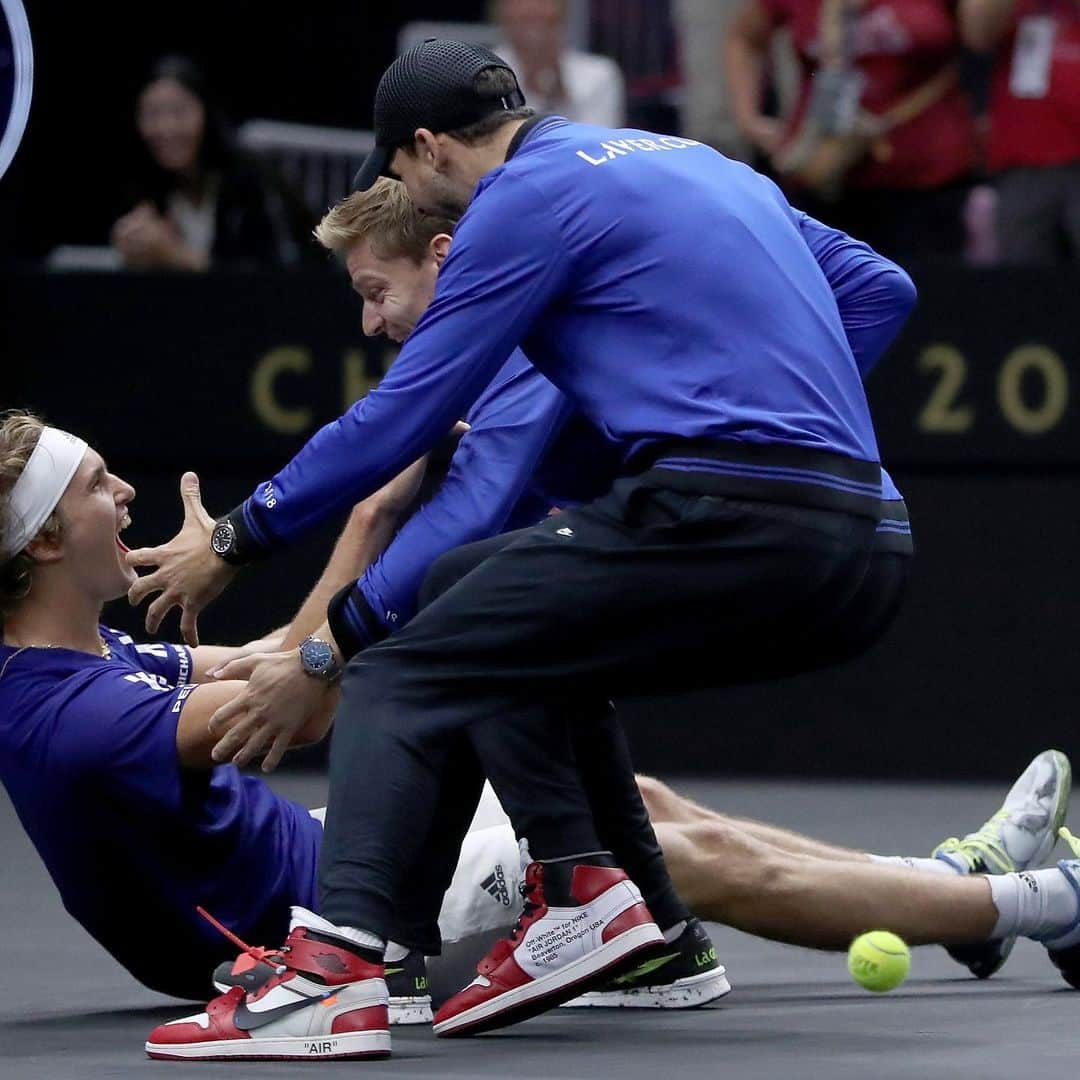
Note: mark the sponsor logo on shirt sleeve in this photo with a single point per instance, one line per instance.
(183, 663)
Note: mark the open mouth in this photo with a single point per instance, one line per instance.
(125, 521)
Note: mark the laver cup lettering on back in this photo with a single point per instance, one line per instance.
(611, 149)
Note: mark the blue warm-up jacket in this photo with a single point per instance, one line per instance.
(672, 296)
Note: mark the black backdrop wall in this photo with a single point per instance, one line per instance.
(977, 414)
(314, 63)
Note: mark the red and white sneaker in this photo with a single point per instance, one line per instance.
(406, 982)
(327, 999)
(581, 924)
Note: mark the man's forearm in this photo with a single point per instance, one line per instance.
(368, 532)
(984, 22)
(745, 70)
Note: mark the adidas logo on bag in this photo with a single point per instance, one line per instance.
(495, 885)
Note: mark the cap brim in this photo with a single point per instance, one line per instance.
(376, 164)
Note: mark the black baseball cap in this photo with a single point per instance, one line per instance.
(430, 86)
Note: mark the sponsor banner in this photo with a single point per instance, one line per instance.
(233, 370)
(185, 369)
(987, 371)
(976, 410)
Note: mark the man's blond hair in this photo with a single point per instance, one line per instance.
(385, 216)
(19, 434)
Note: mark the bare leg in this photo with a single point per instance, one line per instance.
(666, 805)
(727, 877)
(795, 843)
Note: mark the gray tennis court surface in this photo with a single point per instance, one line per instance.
(68, 1010)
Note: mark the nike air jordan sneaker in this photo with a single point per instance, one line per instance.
(326, 999)
(406, 982)
(584, 921)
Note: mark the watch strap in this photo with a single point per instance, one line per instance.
(245, 548)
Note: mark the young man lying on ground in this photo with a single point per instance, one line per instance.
(106, 757)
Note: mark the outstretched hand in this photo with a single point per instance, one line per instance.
(280, 707)
(186, 572)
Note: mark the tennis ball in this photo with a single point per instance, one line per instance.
(879, 961)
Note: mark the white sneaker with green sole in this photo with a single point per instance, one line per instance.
(1020, 836)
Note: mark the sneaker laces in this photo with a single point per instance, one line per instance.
(506, 945)
(273, 957)
(531, 905)
(983, 844)
(1072, 841)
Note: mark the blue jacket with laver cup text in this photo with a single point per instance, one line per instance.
(666, 290)
(527, 451)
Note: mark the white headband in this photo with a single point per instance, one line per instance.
(41, 485)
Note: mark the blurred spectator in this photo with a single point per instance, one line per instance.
(882, 141)
(196, 199)
(640, 36)
(706, 112)
(980, 221)
(1034, 139)
(578, 85)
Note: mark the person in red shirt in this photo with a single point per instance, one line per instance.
(880, 99)
(1034, 140)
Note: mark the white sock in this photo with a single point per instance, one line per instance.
(364, 938)
(395, 952)
(1035, 903)
(674, 932)
(924, 866)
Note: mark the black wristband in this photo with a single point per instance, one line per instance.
(238, 545)
(349, 637)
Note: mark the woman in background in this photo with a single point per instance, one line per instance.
(197, 200)
(581, 86)
(1033, 150)
(882, 139)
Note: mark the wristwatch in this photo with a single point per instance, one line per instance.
(317, 660)
(231, 541)
(223, 540)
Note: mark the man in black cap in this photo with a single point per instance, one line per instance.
(442, 86)
(671, 295)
